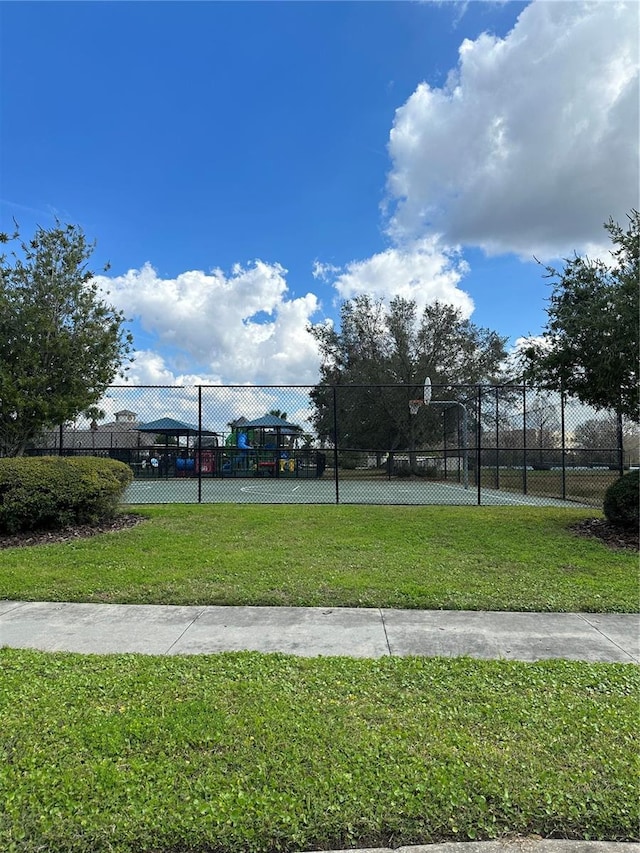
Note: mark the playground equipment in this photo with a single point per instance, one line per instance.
(205, 462)
(243, 441)
(261, 447)
(185, 467)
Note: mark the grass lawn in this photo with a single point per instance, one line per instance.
(248, 752)
(580, 485)
(587, 486)
(275, 754)
(463, 558)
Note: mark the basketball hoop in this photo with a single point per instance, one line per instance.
(414, 405)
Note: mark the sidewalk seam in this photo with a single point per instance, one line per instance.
(187, 627)
(384, 628)
(18, 606)
(631, 657)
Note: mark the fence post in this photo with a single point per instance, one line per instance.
(478, 449)
(497, 439)
(459, 443)
(444, 444)
(335, 443)
(524, 439)
(199, 444)
(564, 446)
(620, 442)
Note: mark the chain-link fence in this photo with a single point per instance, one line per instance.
(354, 444)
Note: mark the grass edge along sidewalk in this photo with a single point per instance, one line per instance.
(440, 558)
(265, 753)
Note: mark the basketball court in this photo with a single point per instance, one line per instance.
(349, 487)
(294, 491)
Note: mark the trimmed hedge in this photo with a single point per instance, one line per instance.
(621, 501)
(54, 491)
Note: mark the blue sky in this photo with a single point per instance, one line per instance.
(244, 166)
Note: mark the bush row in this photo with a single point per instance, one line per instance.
(54, 491)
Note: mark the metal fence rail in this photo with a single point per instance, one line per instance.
(354, 444)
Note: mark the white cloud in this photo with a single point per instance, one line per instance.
(242, 328)
(151, 368)
(423, 272)
(532, 143)
(324, 271)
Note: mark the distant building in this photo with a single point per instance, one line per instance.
(125, 416)
(121, 433)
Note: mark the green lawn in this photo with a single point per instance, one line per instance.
(275, 754)
(466, 558)
(586, 486)
(248, 752)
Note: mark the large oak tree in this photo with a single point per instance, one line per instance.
(378, 359)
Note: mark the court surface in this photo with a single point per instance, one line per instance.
(291, 491)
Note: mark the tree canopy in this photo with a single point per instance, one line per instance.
(603, 433)
(589, 348)
(378, 359)
(61, 343)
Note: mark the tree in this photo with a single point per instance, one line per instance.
(543, 422)
(378, 360)
(61, 343)
(597, 433)
(597, 440)
(589, 348)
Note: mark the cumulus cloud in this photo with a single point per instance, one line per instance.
(532, 143)
(423, 272)
(151, 368)
(240, 328)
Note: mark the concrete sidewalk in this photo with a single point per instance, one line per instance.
(521, 845)
(312, 631)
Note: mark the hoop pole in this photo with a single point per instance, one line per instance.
(465, 449)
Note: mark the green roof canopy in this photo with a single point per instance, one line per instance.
(170, 426)
(273, 422)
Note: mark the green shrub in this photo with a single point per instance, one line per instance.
(348, 460)
(54, 491)
(621, 501)
(402, 469)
